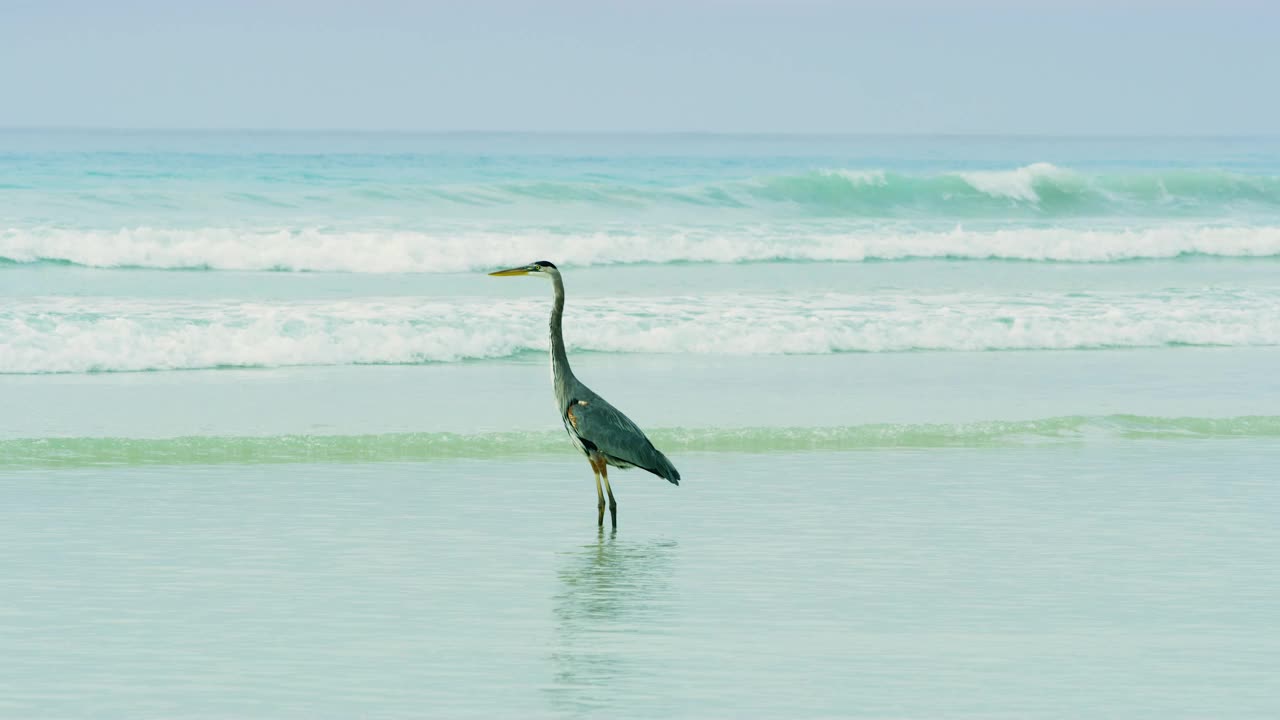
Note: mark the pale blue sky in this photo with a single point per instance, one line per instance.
(985, 66)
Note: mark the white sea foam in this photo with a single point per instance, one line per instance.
(876, 178)
(85, 335)
(406, 251)
(1018, 184)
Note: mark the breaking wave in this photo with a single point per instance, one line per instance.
(470, 250)
(1038, 190)
(76, 335)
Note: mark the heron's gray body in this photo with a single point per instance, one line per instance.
(596, 428)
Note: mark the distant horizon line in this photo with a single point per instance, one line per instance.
(634, 133)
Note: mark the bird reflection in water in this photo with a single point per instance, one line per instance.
(614, 603)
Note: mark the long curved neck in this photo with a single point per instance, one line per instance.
(561, 375)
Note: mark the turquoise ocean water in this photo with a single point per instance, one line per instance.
(970, 427)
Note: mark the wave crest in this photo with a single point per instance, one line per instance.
(1031, 191)
(406, 251)
(73, 335)
(1024, 184)
(1036, 191)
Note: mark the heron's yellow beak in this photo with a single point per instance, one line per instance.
(511, 273)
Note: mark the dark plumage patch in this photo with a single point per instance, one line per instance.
(545, 264)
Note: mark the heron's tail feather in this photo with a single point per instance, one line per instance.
(663, 468)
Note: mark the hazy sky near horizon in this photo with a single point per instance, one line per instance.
(914, 66)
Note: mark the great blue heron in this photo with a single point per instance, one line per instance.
(598, 429)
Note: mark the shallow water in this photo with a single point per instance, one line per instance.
(1110, 580)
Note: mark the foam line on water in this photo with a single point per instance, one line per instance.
(36, 453)
(468, 250)
(76, 335)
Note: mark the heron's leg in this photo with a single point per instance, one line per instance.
(613, 504)
(599, 495)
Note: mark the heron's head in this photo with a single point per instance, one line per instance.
(541, 268)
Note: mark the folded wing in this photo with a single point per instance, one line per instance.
(602, 426)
